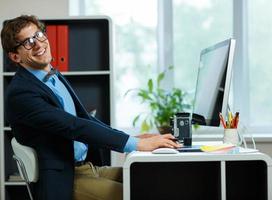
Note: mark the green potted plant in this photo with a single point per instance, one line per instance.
(162, 104)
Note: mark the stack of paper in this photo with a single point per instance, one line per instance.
(226, 148)
(217, 148)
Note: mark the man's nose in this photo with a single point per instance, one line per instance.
(38, 44)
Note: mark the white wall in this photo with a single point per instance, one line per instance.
(265, 147)
(41, 8)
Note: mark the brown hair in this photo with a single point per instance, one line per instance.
(12, 27)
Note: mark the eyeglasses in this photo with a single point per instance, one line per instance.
(30, 42)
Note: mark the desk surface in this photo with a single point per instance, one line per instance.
(138, 156)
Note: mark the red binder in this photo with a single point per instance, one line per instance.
(62, 47)
(51, 31)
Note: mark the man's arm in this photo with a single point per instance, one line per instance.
(31, 109)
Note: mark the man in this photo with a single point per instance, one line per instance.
(45, 113)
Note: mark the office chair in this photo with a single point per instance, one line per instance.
(27, 163)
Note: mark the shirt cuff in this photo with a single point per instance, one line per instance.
(131, 144)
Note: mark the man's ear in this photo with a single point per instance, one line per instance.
(14, 57)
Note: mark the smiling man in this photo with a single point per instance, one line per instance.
(45, 113)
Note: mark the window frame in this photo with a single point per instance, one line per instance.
(241, 87)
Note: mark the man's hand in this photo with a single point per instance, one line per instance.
(157, 141)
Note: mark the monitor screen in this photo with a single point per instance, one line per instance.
(213, 81)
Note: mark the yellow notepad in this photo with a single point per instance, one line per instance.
(216, 148)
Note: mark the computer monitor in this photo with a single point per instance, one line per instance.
(213, 81)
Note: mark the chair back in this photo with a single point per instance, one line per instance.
(27, 161)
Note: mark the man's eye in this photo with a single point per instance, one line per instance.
(39, 34)
(30, 41)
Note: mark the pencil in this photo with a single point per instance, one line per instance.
(236, 119)
(222, 120)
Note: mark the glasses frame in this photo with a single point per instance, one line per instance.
(35, 37)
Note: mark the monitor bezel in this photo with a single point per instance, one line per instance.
(231, 44)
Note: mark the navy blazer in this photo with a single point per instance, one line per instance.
(38, 120)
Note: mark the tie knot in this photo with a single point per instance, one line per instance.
(49, 74)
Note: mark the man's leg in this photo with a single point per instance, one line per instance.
(112, 173)
(95, 183)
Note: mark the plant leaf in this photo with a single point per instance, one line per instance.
(135, 120)
(150, 85)
(144, 94)
(160, 78)
(145, 126)
(130, 90)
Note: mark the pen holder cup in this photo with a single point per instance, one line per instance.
(231, 136)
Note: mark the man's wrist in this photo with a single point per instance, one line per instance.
(131, 144)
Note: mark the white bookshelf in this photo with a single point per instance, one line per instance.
(98, 94)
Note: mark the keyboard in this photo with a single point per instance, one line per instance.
(194, 148)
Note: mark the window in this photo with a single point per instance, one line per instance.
(197, 24)
(260, 62)
(194, 24)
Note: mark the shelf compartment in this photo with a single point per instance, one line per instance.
(16, 192)
(94, 93)
(246, 180)
(176, 186)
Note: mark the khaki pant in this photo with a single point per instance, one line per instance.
(98, 183)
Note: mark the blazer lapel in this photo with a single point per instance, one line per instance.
(27, 75)
(81, 111)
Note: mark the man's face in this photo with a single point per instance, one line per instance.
(38, 57)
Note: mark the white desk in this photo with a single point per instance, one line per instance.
(197, 176)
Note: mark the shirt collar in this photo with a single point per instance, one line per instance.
(38, 73)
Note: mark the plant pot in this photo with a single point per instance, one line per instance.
(165, 129)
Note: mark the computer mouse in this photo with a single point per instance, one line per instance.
(165, 151)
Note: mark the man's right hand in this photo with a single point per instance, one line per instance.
(151, 143)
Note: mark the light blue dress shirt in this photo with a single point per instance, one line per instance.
(63, 95)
